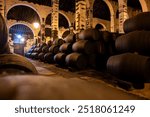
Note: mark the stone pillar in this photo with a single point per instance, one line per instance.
(55, 19)
(89, 21)
(71, 29)
(112, 23)
(123, 14)
(89, 14)
(2, 7)
(43, 30)
(80, 15)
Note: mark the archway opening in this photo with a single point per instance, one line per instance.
(67, 5)
(101, 10)
(20, 30)
(23, 13)
(134, 7)
(99, 27)
(63, 22)
(134, 4)
(21, 37)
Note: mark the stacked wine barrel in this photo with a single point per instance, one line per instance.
(45, 52)
(91, 48)
(37, 51)
(133, 62)
(31, 50)
(96, 46)
(65, 49)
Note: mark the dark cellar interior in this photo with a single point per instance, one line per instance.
(74, 49)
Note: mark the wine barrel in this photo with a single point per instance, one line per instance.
(97, 61)
(31, 50)
(107, 36)
(41, 56)
(130, 67)
(28, 54)
(38, 49)
(49, 43)
(58, 42)
(13, 64)
(45, 49)
(34, 46)
(138, 22)
(92, 59)
(54, 49)
(49, 57)
(100, 46)
(137, 41)
(71, 38)
(66, 48)
(85, 46)
(38, 45)
(4, 47)
(34, 55)
(115, 35)
(60, 59)
(76, 60)
(90, 34)
(43, 44)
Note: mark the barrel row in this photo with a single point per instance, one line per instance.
(91, 48)
(132, 62)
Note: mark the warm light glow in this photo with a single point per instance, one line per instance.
(36, 25)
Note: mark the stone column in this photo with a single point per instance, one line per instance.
(2, 7)
(89, 15)
(89, 21)
(80, 15)
(55, 19)
(123, 14)
(43, 30)
(112, 23)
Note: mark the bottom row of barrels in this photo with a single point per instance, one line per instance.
(74, 60)
(130, 67)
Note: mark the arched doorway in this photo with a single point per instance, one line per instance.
(98, 7)
(22, 36)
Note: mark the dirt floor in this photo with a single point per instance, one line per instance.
(91, 75)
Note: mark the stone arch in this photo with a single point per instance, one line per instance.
(60, 12)
(20, 23)
(23, 4)
(143, 5)
(112, 14)
(102, 26)
(69, 22)
(112, 11)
